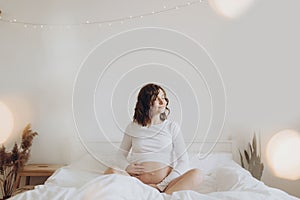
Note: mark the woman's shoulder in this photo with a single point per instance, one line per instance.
(133, 129)
(132, 125)
(173, 126)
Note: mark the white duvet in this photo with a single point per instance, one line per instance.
(223, 180)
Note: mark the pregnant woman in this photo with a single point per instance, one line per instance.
(153, 149)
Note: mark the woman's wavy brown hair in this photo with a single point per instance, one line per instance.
(145, 99)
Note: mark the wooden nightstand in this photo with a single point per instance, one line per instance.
(35, 170)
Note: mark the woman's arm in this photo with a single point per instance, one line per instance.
(123, 151)
(123, 164)
(182, 164)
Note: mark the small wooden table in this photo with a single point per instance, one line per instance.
(35, 170)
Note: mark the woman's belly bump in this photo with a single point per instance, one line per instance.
(154, 172)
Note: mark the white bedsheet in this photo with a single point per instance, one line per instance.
(223, 180)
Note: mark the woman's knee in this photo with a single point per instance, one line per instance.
(110, 171)
(196, 175)
(115, 171)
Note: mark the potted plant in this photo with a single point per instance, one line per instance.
(12, 161)
(252, 159)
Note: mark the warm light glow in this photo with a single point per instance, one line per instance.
(283, 154)
(231, 8)
(6, 122)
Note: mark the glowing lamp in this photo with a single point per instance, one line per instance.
(6, 122)
(231, 8)
(283, 154)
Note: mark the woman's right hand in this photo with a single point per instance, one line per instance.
(135, 169)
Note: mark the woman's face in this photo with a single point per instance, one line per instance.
(159, 104)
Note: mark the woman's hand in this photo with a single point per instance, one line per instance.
(135, 169)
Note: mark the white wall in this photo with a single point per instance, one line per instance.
(257, 55)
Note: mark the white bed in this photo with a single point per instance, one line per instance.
(223, 179)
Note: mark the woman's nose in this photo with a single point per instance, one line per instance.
(160, 101)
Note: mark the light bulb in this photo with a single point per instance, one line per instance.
(7, 122)
(283, 154)
(231, 8)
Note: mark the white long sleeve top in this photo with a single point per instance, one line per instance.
(158, 143)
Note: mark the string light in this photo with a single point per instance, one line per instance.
(100, 24)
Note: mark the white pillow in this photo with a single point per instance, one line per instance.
(210, 162)
(91, 164)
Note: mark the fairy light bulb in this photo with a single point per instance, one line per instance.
(110, 22)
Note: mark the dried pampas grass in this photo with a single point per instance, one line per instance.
(12, 161)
